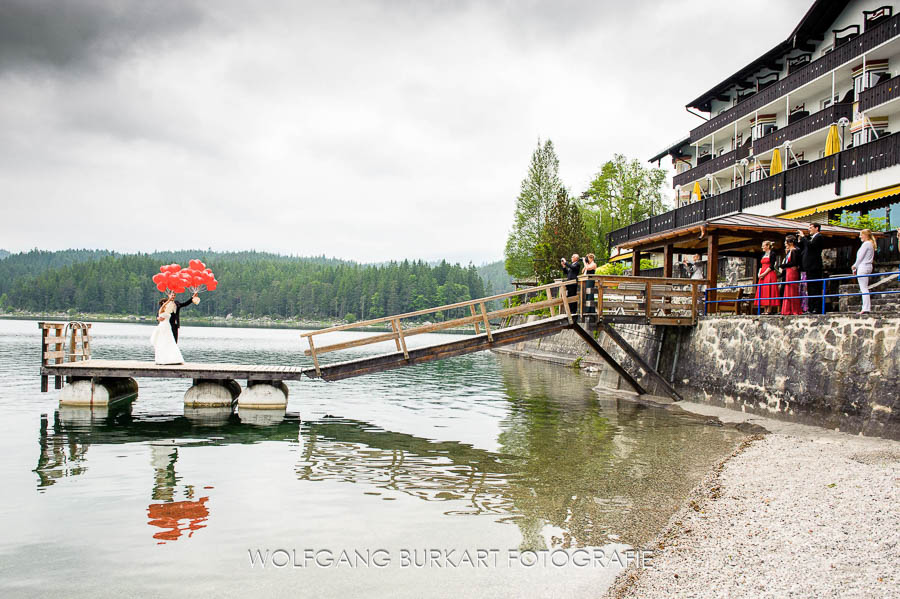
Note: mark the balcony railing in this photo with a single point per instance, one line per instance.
(831, 170)
(802, 127)
(879, 94)
(711, 166)
(809, 124)
(849, 50)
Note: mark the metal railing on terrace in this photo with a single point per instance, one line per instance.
(714, 298)
(845, 52)
(831, 170)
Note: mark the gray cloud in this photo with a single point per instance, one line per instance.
(77, 35)
(367, 130)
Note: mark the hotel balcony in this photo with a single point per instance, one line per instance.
(881, 36)
(797, 130)
(825, 182)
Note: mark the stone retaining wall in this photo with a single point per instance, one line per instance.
(841, 371)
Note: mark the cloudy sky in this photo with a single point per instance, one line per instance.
(369, 130)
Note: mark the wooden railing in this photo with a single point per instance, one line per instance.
(711, 166)
(879, 94)
(659, 300)
(802, 127)
(480, 317)
(63, 342)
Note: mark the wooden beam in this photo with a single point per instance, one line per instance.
(712, 268)
(595, 345)
(636, 263)
(668, 255)
(634, 355)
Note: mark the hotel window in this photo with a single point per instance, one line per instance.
(764, 126)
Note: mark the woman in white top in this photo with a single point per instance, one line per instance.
(165, 349)
(865, 257)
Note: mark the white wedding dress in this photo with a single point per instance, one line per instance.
(164, 346)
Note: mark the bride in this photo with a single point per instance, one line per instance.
(163, 340)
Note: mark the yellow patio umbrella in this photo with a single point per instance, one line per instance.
(833, 141)
(696, 192)
(776, 163)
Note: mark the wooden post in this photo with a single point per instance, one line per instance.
(401, 338)
(312, 352)
(396, 334)
(472, 310)
(581, 286)
(599, 300)
(564, 294)
(694, 301)
(668, 255)
(45, 381)
(487, 324)
(712, 269)
(635, 263)
(648, 300)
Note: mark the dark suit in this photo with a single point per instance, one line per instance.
(572, 270)
(174, 320)
(811, 264)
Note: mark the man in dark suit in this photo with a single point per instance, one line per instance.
(174, 321)
(811, 263)
(572, 270)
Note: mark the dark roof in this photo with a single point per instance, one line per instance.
(815, 23)
(670, 149)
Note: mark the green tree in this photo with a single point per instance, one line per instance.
(623, 192)
(562, 235)
(539, 191)
(855, 220)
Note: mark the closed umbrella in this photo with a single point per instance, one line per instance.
(833, 141)
(776, 163)
(696, 194)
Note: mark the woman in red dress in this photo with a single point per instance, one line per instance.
(767, 295)
(793, 303)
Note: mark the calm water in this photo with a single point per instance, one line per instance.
(480, 452)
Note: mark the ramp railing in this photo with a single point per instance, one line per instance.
(480, 316)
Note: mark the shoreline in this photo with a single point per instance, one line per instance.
(797, 511)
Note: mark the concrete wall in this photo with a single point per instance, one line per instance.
(842, 371)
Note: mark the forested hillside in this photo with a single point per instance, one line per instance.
(250, 284)
(495, 277)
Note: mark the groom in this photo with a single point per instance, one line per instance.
(174, 320)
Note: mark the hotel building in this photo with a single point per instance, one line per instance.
(805, 131)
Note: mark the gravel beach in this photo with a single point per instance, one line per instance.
(799, 512)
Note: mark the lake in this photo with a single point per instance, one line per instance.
(481, 475)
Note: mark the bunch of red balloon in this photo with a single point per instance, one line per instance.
(195, 278)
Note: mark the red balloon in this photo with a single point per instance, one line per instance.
(164, 268)
(173, 267)
(159, 278)
(161, 286)
(212, 285)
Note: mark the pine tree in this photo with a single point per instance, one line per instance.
(539, 191)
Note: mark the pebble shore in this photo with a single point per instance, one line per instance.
(798, 512)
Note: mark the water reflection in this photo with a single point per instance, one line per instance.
(175, 516)
(573, 469)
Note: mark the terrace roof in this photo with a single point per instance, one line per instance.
(738, 233)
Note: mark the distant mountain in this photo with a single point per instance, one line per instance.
(495, 277)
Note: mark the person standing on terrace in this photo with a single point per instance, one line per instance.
(811, 264)
(572, 270)
(767, 292)
(865, 258)
(791, 304)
